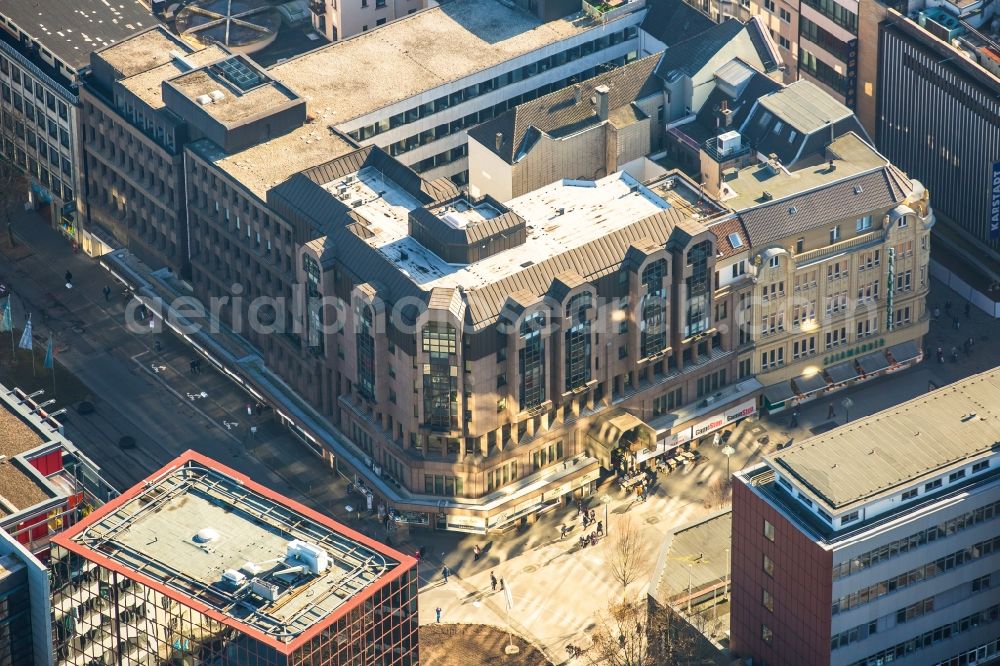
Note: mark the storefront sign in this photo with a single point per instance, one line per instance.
(592, 475)
(742, 410)
(709, 425)
(467, 522)
(662, 446)
(995, 202)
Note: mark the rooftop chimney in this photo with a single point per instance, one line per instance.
(499, 140)
(601, 95)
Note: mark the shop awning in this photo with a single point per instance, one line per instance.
(807, 384)
(873, 363)
(842, 372)
(778, 393)
(903, 352)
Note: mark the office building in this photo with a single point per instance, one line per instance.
(497, 357)
(46, 483)
(199, 564)
(475, 58)
(839, 245)
(951, 143)
(340, 20)
(875, 542)
(44, 53)
(25, 624)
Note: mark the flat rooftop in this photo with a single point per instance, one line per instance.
(418, 53)
(805, 106)
(229, 102)
(17, 489)
(195, 520)
(560, 217)
(851, 156)
(144, 51)
(72, 30)
(696, 555)
(147, 85)
(873, 457)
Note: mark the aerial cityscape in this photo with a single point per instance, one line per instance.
(489, 332)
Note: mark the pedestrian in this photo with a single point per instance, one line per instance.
(69, 280)
(968, 309)
(421, 552)
(476, 552)
(795, 418)
(956, 323)
(107, 293)
(586, 520)
(437, 614)
(947, 306)
(600, 528)
(501, 584)
(831, 412)
(562, 532)
(937, 313)
(191, 366)
(493, 582)
(593, 515)
(157, 346)
(445, 573)
(940, 355)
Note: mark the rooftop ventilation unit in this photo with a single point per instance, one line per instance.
(315, 558)
(265, 590)
(203, 100)
(233, 576)
(216, 95)
(729, 143)
(206, 535)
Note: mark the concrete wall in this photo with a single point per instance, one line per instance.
(489, 173)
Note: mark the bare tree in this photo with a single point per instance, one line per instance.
(719, 494)
(638, 633)
(626, 559)
(12, 190)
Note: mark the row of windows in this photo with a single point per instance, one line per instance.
(474, 90)
(21, 80)
(37, 170)
(930, 638)
(914, 576)
(906, 544)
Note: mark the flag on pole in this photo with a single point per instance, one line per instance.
(48, 362)
(26, 342)
(5, 323)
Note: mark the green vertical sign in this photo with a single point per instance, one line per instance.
(891, 289)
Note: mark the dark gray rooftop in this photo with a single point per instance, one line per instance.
(71, 29)
(673, 21)
(690, 55)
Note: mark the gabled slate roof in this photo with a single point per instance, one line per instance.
(693, 53)
(673, 21)
(851, 197)
(569, 109)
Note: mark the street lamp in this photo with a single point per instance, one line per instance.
(847, 403)
(606, 500)
(728, 451)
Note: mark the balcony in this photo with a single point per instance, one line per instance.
(711, 148)
(606, 10)
(811, 256)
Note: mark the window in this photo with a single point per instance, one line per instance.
(739, 269)
(902, 222)
(836, 337)
(835, 234)
(863, 224)
(666, 402)
(910, 494)
(903, 316)
(698, 294)
(440, 376)
(773, 262)
(768, 566)
(366, 354)
(787, 45)
(735, 241)
(578, 341)
(769, 530)
(769, 5)
(849, 518)
(380, 21)
(804, 347)
(933, 485)
(955, 476)
(531, 361)
(768, 601)
(980, 466)
(653, 308)
(786, 15)
(765, 633)
(981, 584)
(772, 359)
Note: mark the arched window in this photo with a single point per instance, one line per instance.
(578, 341)
(653, 324)
(531, 361)
(366, 354)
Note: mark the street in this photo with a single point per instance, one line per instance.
(143, 387)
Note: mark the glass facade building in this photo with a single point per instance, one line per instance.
(107, 608)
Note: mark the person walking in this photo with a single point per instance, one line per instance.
(600, 528)
(794, 423)
(445, 573)
(593, 515)
(476, 552)
(106, 290)
(69, 280)
(437, 615)
(493, 581)
(831, 411)
(501, 584)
